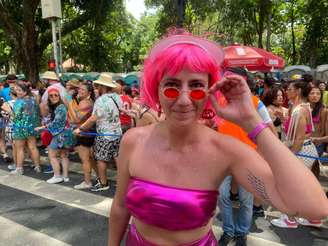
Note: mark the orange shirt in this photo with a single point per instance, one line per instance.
(229, 128)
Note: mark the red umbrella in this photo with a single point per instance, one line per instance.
(254, 59)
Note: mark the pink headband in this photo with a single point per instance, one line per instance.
(211, 48)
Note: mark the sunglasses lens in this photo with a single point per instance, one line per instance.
(171, 93)
(197, 94)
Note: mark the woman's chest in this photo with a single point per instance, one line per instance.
(197, 166)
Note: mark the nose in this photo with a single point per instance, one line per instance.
(184, 98)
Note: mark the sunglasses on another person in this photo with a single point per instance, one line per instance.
(53, 95)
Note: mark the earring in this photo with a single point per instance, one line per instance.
(159, 111)
(208, 114)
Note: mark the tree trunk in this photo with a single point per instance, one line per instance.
(268, 37)
(293, 35)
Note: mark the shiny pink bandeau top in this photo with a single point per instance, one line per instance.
(169, 207)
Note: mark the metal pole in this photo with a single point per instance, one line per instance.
(181, 14)
(54, 42)
(60, 47)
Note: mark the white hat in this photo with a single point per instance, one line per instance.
(106, 79)
(50, 75)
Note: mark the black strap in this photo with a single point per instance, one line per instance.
(116, 104)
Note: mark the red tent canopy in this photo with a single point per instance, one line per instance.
(254, 59)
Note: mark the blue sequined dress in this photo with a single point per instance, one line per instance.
(26, 118)
(61, 131)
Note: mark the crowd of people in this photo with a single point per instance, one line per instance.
(83, 116)
(172, 164)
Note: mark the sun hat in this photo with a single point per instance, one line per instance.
(212, 48)
(51, 75)
(106, 79)
(74, 82)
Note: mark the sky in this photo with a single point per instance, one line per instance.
(135, 7)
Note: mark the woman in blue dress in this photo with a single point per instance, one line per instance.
(62, 137)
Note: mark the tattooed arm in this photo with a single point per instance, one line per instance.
(278, 177)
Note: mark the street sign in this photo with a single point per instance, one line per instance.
(51, 9)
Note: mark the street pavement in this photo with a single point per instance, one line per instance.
(35, 213)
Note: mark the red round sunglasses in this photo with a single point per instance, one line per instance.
(195, 94)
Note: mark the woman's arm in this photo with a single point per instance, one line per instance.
(119, 215)
(44, 109)
(280, 179)
(323, 122)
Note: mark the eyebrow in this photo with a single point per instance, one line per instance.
(178, 80)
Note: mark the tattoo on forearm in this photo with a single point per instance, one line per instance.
(259, 187)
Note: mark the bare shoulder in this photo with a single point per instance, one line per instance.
(135, 134)
(225, 144)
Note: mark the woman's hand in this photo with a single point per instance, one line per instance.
(239, 108)
(40, 128)
(5, 107)
(77, 131)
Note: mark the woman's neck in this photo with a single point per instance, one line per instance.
(297, 101)
(180, 136)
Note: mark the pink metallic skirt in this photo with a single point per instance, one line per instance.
(135, 239)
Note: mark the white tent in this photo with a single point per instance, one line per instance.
(296, 69)
(322, 72)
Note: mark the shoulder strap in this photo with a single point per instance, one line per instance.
(116, 104)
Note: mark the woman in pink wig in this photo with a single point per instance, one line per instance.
(169, 172)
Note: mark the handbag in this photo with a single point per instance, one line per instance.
(46, 138)
(309, 149)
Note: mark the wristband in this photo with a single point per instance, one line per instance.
(256, 131)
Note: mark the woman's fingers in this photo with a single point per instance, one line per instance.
(231, 83)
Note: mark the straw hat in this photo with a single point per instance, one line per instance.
(74, 82)
(51, 75)
(106, 80)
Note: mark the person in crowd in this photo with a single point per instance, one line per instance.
(96, 90)
(5, 96)
(323, 89)
(169, 172)
(298, 128)
(79, 111)
(273, 100)
(26, 116)
(321, 85)
(307, 78)
(9, 84)
(105, 115)
(141, 114)
(72, 87)
(62, 138)
(267, 85)
(7, 109)
(319, 118)
(126, 98)
(53, 81)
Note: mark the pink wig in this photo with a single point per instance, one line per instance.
(195, 55)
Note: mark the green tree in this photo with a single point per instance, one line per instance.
(29, 35)
(316, 32)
